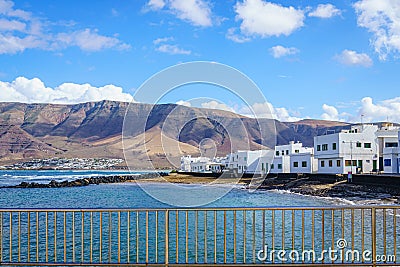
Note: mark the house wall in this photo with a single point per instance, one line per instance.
(359, 145)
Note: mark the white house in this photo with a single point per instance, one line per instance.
(185, 163)
(245, 161)
(354, 150)
(387, 138)
(391, 155)
(293, 158)
(303, 163)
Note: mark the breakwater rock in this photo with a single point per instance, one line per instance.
(90, 181)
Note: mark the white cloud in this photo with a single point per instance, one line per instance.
(11, 25)
(280, 51)
(268, 111)
(173, 50)
(265, 19)
(196, 12)
(216, 105)
(34, 91)
(325, 11)
(237, 38)
(21, 30)
(156, 4)
(382, 19)
(163, 40)
(381, 111)
(89, 40)
(184, 103)
(388, 109)
(331, 113)
(352, 58)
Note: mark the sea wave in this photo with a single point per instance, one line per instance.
(336, 200)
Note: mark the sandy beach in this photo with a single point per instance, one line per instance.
(179, 178)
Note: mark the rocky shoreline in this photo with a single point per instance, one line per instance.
(340, 189)
(90, 181)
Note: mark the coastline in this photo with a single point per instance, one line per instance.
(352, 193)
(340, 190)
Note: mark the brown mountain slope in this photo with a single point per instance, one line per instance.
(94, 130)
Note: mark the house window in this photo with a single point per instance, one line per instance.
(322, 163)
(245, 158)
(391, 144)
(330, 162)
(324, 147)
(347, 163)
(304, 164)
(296, 151)
(283, 152)
(367, 145)
(277, 153)
(295, 164)
(318, 147)
(272, 166)
(287, 152)
(333, 146)
(262, 166)
(358, 144)
(279, 166)
(387, 162)
(338, 163)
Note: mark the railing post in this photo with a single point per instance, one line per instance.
(1, 237)
(166, 236)
(373, 226)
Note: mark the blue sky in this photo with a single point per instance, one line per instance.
(333, 60)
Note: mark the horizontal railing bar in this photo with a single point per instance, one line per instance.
(194, 264)
(369, 207)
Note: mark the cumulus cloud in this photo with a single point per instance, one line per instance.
(184, 103)
(267, 111)
(35, 91)
(216, 105)
(352, 58)
(382, 19)
(265, 19)
(325, 11)
(280, 51)
(366, 108)
(380, 111)
(331, 113)
(21, 30)
(196, 12)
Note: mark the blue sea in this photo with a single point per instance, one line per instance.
(135, 234)
(127, 195)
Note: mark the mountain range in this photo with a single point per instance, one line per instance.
(163, 133)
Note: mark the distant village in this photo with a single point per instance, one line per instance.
(364, 148)
(64, 163)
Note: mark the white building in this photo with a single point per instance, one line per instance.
(387, 138)
(245, 161)
(293, 158)
(354, 150)
(185, 163)
(391, 154)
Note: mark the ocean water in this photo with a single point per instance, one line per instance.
(127, 195)
(201, 232)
